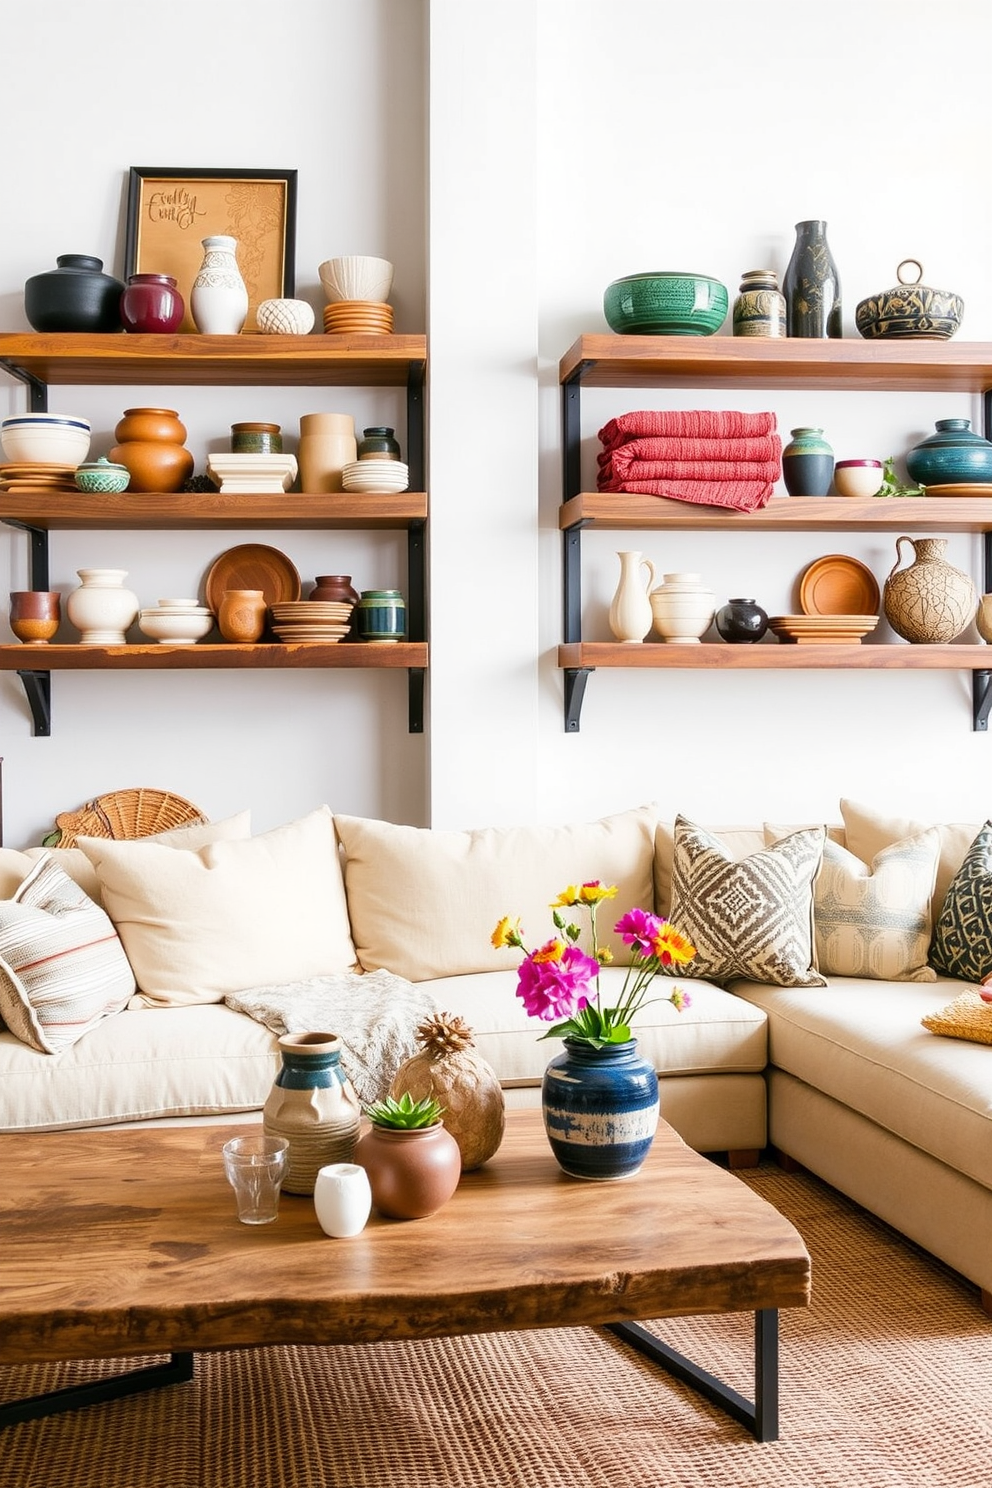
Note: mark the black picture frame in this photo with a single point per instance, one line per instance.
(170, 209)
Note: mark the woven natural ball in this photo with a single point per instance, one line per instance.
(284, 318)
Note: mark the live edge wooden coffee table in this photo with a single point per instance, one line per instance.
(116, 1244)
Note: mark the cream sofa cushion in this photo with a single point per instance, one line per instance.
(868, 831)
(166, 1062)
(15, 866)
(199, 924)
(424, 903)
(716, 1033)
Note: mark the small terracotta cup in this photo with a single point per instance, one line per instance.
(35, 615)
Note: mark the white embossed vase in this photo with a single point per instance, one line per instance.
(219, 298)
(630, 612)
(682, 608)
(102, 609)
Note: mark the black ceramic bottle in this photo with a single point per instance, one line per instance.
(741, 620)
(812, 284)
(76, 296)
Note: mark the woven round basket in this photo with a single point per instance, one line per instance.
(138, 812)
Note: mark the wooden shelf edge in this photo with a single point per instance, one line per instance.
(649, 655)
(181, 510)
(205, 656)
(616, 511)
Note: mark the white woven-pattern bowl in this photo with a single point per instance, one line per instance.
(285, 318)
(356, 277)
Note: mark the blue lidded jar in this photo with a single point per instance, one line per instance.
(380, 616)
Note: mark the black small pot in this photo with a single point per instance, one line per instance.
(77, 296)
(741, 620)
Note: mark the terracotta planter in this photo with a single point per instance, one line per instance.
(150, 444)
(412, 1173)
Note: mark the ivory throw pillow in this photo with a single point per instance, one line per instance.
(15, 866)
(967, 1017)
(867, 831)
(962, 940)
(750, 918)
(424, 903)
(875, 921)
(235, 914)
(62, 966)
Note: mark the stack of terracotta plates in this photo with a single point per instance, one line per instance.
(358, 318)
(823, 630)
(311, 620)
(26, 477)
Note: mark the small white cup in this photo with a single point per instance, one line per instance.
(342, 1198)
(255, 1166)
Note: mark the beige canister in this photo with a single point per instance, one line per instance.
(327, 445)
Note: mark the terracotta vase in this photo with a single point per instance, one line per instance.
(314, 1106)
(241, 616)
(331, 588)
(412, 1173)
(930, 601)
(35, 615)
(150, 444)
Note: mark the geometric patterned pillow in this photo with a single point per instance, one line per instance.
(750, 918)
(962, 940)
(875, 922)
(62, 966)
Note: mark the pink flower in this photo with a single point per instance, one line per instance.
(552, 982)
(639, 929)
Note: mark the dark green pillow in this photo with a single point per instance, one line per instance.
(962, 940)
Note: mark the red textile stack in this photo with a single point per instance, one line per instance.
(722, 458)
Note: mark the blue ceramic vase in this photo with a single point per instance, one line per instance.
(953, 455)
(600, 1109)
(807, 463)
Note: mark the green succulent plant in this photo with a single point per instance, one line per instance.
(405, 1114)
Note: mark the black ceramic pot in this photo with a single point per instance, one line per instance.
(741, 620)
(76, 296)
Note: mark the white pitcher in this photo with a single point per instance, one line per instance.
(630, 613)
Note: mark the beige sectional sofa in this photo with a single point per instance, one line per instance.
(835, 1070)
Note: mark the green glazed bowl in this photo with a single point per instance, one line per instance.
(102, 477)
(665, 305)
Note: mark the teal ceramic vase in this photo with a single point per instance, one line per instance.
(807, 463)
(600, 1109)
(380, 616)
(953, 455)
(812, 284)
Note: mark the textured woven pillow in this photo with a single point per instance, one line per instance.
(867, 832)
(751, 918)
(236, 914)
(962, 939)
(62, 966)
(876, 921)
(967, 1017)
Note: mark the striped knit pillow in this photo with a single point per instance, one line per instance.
(62, 966)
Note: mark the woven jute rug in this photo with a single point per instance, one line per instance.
(886, 1383)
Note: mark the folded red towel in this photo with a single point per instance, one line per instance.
(742, 495)
(689, 423)
(761, 447)
(698, 470)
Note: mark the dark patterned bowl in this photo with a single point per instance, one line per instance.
(665, 304)
(911, 310)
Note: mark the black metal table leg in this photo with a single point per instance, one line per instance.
(73, 1397)
(759, 1416)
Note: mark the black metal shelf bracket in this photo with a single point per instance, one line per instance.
(981, 685)
(575, 687)
(38, 690)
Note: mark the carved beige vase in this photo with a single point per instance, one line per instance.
(314, 1106)
(930, 601)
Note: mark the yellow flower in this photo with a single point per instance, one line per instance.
(672, 948)
(507, 933)
(552, 950)
(595, 892)
(604, 956)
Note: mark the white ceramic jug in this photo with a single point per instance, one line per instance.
(630, 612)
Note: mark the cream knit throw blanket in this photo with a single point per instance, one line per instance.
(375, 1015)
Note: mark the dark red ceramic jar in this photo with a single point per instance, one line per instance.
(151, 303)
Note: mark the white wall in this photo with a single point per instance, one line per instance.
(571, 141)
(695, 137)
(334, 89)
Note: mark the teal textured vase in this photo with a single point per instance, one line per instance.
(812, 284)
(954, 454)
(807, 463)
(600, 1109)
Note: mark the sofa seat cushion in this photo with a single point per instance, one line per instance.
(145, 1063)
(717, 1033)
(861, 1042)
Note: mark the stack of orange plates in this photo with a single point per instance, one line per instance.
(358, 318)
(23, 476)
(311, 621)
(822, 630)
